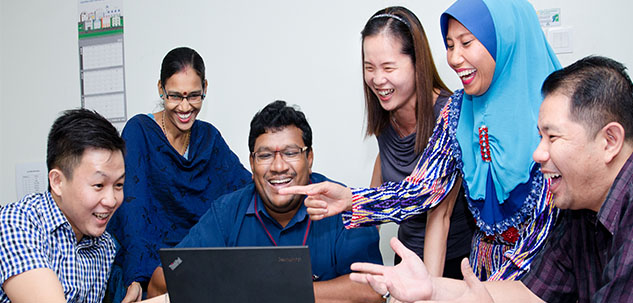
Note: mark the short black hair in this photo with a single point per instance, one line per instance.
(75, 131)
(600, 91)
(276, 116)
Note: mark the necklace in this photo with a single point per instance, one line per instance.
(396, 126)
(184, 147)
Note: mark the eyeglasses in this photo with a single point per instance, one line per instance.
(194, 98)
(289, 154)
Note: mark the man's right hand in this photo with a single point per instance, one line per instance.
(323, 199)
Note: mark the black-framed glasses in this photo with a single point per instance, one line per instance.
(193, 98)
(288, 154)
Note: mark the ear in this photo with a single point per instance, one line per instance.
(310, 160)
(613, 136)
(251, 160)
(204, 89)
(56, 180)
(159, 86)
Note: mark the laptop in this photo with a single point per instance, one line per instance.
(238, 274)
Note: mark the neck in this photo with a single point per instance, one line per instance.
(178, 139)
(613, 170)
(58, 200)
(282, 218)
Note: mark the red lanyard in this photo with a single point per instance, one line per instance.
(305, 237)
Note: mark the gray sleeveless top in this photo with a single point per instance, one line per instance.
(397, 160)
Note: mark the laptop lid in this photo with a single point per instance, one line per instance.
(238, 274)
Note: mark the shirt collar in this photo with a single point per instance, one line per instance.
(610, 210)
(55, 218)
(53, 215)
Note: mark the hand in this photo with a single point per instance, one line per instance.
(475, 289)
(324, 199)
(409, 281)
(134, 293)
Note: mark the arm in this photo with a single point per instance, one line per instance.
(409, 281)
(35, 285)
(376, 177)
(438, 221)
(342, 289)
(157, 285)
(428, 184)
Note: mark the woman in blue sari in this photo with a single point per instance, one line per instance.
(175, 167)
(486, 134)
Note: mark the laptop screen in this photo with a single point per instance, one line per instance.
(238, 274)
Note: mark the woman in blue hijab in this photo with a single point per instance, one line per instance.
(175, 167)
(486, 133)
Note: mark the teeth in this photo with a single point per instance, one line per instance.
(551, 176)
(280, 181)
(184, 116)
(465, 73)
(102, 215)
(384, 92)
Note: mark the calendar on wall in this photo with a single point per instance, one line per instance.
(101, 60)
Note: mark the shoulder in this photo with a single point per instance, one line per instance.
(232, 202)
(318, 178)
(27, 213)
(205, 128)
(137, 125)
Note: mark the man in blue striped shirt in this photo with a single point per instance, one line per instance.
(53, 245)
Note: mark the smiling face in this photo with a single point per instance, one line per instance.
(570, 157)
(184, 83)
(388, 72)
(469, 59)
(269, 178)
(94, 192)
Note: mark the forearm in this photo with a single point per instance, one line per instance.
(438, 222)
(511, 292)
(342, 289)
(157, 285)
(445, 289)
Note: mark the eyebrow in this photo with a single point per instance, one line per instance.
(106, 175)
(180, 93)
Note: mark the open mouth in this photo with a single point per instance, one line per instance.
(280, 182)
(467, 75)
(184, 117)
(102, 216)
(554, 180)
(384, 93)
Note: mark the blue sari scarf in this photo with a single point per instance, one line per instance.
(166, 193)
(510, 31)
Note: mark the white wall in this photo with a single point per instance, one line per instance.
(305, 52)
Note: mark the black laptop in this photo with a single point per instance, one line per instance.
(238, 274)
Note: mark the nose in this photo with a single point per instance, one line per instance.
(278, 164)
(112, 197)
(454, 57)
(541, 153)
(379, 78)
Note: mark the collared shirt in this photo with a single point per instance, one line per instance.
(231, 221)
(34, 233)
(589, 258)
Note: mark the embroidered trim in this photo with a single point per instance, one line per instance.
(531, 200)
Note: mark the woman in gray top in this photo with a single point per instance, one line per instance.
(404, 95)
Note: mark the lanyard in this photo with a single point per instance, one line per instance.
(305, 237)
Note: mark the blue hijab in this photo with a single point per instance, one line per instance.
(510, 31)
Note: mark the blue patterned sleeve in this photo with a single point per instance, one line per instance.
(428, 184)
